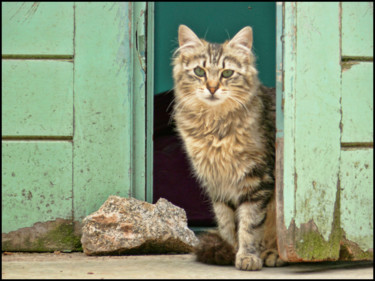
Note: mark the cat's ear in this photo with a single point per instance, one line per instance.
(244, 38)
(187, 38)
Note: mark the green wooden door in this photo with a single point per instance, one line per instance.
(75, 121)
(324, 171)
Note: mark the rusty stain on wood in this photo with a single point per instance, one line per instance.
(350, 251)
(346, 65)
(279, 195)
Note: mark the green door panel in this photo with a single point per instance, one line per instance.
(37, 28)
(357, 29)
(36, 182)
(37, 98)
(357, 102)
(103, 100)
(357, 193)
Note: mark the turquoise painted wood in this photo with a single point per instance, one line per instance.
(36, 183)
(356, 163)
(357, 193)
(103, 103)
(110, 100)
(35, 28)
(324, 109)
(357, 102)
(357, 29)
(37, 126)
(76, 117)
(150, 42)
(310, 189)
(140, 100)
(41, 106)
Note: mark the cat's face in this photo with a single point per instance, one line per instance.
(214, 74)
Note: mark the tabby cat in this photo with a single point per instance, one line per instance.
(226, 120)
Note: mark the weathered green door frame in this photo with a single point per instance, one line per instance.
(125, 70)
(143, 95)
(150, 100)
(324, 138)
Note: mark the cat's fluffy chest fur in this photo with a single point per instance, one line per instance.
(222, 149)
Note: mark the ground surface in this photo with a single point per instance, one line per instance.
(79, 266)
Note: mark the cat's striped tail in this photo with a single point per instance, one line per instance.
(212, 249)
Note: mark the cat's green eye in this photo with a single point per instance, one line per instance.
(227, 73)
(199, 71)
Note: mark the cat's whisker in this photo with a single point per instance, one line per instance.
(239, 102)
(171, 103)
(180, 106)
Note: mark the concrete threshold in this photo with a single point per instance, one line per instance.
(79, 266)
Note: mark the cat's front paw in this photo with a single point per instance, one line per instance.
(248, 262)
(271, 258)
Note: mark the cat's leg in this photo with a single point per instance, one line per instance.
(270, 255)
(251, 218)
(225, 217)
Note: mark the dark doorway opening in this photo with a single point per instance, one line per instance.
(216, 22)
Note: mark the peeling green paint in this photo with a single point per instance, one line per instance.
(351, 251)
(346, 65)
(310, 244)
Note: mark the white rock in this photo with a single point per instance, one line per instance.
(130, 226)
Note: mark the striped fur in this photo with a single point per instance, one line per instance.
(227, 127)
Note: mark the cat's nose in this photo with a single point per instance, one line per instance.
(212, 87)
